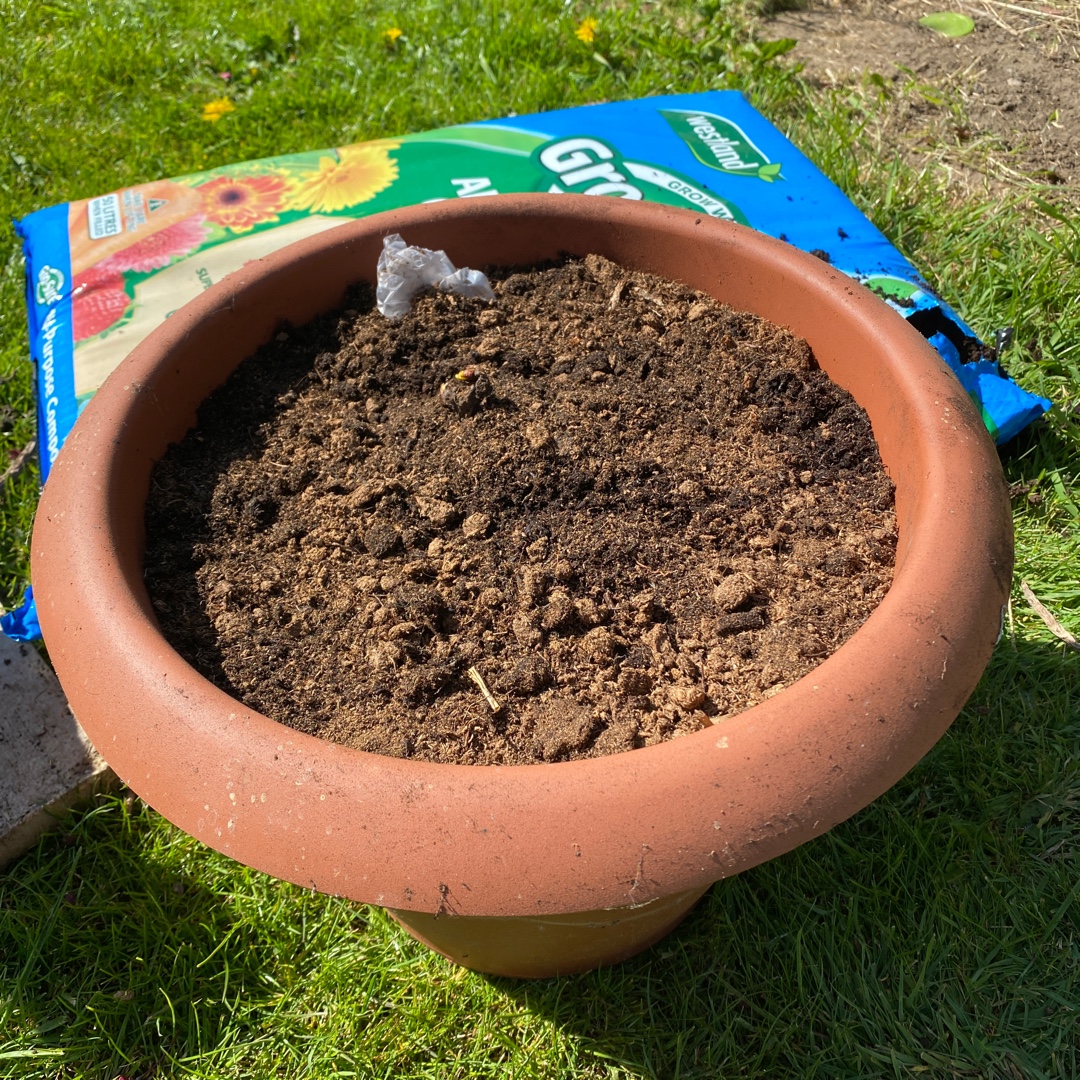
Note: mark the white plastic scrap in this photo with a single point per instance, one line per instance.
(404, 270)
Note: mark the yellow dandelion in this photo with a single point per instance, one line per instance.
(392, 35)
(357, 174)
(586, 30)
(216, 109)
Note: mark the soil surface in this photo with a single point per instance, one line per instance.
(1007, 95)
(601, 512)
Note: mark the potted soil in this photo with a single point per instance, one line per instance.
(529, 870)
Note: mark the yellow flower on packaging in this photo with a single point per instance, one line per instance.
(586, 30)
(216, 109)
(357, 174)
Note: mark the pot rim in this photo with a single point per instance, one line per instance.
(546, 838)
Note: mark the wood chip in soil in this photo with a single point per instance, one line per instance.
(630, 510)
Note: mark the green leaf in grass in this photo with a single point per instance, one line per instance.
(949, 23)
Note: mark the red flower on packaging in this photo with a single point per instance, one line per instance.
(98, 276)
(156, 251)
(98, 301)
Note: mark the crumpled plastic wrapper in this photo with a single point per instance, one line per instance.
(403, 270)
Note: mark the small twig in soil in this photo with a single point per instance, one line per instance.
(17, 462)
(1052, 624)
(482, 686)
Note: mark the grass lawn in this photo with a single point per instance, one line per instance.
(936, 934)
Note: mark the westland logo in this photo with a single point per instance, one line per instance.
(50, 282)
(590, 166)
(720, 144)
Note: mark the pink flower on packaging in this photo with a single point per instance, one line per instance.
(156, 251)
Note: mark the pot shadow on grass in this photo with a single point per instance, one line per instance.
(929, 932)
(115, 959)
(910, 937)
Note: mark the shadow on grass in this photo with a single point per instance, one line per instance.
(935, 931)
(113, 954)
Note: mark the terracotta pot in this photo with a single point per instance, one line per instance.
(543, 869)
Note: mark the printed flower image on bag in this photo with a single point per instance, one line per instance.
(241, 202)
(348, 177)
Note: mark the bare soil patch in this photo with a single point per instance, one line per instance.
(599, 513)
(1012, 86)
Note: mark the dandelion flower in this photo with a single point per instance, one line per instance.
(242, 202)
(357, 174)
(586, 30)
(216, 109)
(392, 35)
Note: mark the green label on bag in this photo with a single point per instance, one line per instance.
(720, 144)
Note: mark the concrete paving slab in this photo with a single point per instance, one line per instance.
(47, 763)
